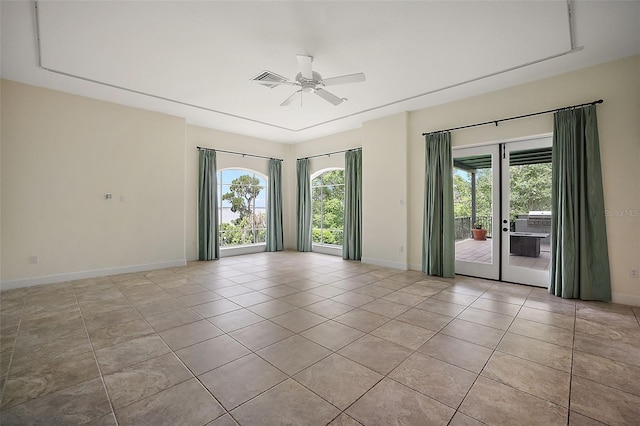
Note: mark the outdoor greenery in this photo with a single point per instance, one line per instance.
(243, 233)
(248, 227)
(530, 189)
(328, 207)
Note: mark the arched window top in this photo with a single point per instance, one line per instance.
(328, 176)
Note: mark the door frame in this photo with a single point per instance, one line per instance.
(508, 272)
(500, 268)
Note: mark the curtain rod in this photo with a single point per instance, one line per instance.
(599, 101)
(200, 148)
(329, 154)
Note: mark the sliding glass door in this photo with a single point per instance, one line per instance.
(502, 211)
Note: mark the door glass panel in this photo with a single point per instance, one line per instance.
(530, 208)
(473, 208)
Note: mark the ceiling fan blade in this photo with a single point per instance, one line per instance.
(304, 63)
(350, 78)
(290, 98)
(328, 96)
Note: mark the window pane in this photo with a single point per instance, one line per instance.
(242, 199)
(316, 209)
(328, 207)
(472, 193)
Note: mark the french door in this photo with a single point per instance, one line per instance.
(504, 192)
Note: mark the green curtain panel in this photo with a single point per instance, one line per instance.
(352, 240)
(438, 241)
(579, 255)
(275, 240)
(303, 205)
(208, 244)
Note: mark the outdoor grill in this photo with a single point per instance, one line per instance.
(539, 219)
(536, 222)
(532, 230)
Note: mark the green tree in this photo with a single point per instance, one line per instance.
(484, 192)
(242, 193)
(530, 188)
(461, 195)
(230, 235)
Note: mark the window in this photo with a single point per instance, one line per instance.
(328, 207)
(242, 199)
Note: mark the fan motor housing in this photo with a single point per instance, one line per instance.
(309, 86)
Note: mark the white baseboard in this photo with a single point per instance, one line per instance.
(625, 299)
(71, 276)
(333, 251)
(240, 250)
(385, 263)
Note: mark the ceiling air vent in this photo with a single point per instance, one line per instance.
(269, 76)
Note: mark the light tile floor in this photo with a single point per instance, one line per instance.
(303, 338)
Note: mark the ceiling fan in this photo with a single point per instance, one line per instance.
(310, 81)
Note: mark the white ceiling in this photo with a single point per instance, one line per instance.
(196, 59)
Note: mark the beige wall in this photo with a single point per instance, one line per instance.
(384, 191)
(60, 154)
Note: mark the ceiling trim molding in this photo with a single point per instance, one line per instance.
(573, 49)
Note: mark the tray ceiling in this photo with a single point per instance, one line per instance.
(196, 59)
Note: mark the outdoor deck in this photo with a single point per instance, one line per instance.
(480, 251)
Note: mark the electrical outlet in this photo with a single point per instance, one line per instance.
(633, 273)
(34, 259)
(401, 249)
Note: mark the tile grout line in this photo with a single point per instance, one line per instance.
(332, 352)
(15, 341)
(341, 411)
(252, 352)
(133, 306)
(486, 362)
(572, 349)
(195, 376)
(95, 358)
(573, 346)
(288, 376)
(413, 351)
(490, 357)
